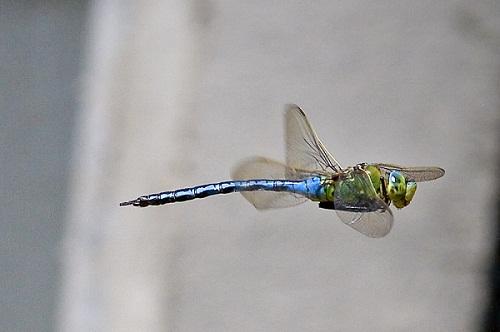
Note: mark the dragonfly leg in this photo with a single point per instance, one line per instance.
(384, 191)
(328, 205)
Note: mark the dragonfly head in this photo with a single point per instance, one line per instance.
(400, 189)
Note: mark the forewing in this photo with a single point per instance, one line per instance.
(358, 205)
(304, 150)
(262, 168)
(419, 174)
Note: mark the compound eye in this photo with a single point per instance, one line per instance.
(396, 186)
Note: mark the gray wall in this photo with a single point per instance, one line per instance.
(175, 93)
(40, 61)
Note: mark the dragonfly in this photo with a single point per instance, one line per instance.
(360, 195)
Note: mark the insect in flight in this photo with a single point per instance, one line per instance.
(360, 195)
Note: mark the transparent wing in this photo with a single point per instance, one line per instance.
(358, 205)
(304, 149)
(262, 168)
(419, 174)
(373, 224)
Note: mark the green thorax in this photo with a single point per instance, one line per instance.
(389, 186)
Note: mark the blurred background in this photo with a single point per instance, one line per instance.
(101, 101)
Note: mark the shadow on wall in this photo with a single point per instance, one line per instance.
(472, 26)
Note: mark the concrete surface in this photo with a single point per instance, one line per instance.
(40, 54)
(176, 92)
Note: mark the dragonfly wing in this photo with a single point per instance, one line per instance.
(373, 224)
(419, 174)
(358, 205)
(304, 150)
(262, 168)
